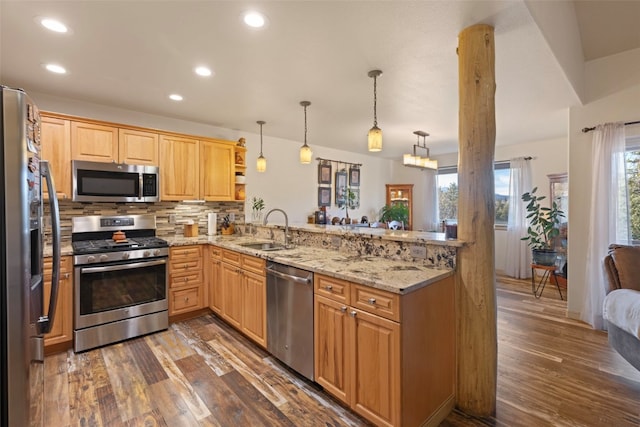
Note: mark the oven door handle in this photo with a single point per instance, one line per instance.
(122, 266)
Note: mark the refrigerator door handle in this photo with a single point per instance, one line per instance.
(45, 323)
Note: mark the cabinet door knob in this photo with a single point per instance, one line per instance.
(353, 313)
(343, 309)
(186, 265)
(186, 279)
(186, 299)
(372, 300)
(328, 287)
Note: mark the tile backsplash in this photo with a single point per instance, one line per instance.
(183, 211)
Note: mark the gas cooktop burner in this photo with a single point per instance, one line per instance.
(110, 245)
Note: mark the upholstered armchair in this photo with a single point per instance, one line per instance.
(621, 308)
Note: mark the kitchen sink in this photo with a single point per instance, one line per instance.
(264, 246)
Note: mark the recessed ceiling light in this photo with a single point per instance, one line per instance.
(175, 97)
(203, 71)
(53, 25)
(54, 68)
(254, 19)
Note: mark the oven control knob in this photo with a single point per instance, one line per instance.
(91, 258)
(125, 255)
(104, 258)
(156, 252)
(146, 253)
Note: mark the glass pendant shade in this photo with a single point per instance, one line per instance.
(305, 154)
(261, 164)
(375, 139)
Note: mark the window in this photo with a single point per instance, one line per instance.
(447, 182)
(632, 162)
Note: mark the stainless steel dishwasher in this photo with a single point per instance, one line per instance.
(290, 316)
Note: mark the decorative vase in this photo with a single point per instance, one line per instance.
(544, 256)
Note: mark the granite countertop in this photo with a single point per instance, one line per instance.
(399, 277)
(380, 233)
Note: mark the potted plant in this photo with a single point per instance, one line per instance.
(544, 227)
(227, 226)
(257, 206)
(395, 212)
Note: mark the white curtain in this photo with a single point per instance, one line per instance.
(608, 220)
(518, 262)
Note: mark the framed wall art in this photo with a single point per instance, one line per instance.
(354, 176)
(324, 196)
(341, 187)
(324, 173)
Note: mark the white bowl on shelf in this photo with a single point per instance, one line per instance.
(240, 179)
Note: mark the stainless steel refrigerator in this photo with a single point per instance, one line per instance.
(23, 321)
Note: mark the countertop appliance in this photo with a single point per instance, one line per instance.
(114, 182)
(120, 279)
(290, 316)
(22, 317)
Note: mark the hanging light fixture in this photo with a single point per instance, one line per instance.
(261, 164)
(305, 150)
(416, 161)
(375, 133)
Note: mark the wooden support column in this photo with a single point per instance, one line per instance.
(477, 348)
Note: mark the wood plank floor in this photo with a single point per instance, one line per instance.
(552, 371)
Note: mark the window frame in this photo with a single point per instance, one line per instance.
(497, 165)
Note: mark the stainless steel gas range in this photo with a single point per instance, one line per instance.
(120, 280)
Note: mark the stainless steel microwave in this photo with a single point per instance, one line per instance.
(114, 182)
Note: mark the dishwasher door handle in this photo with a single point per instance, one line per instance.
(303, 280)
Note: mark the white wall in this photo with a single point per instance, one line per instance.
(621, 106)
(549, 157)
(286, 184)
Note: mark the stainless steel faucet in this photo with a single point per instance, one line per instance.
(286, 224)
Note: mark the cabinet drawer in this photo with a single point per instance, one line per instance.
(336, 289)
(215, 252)
(65, 265)
(375, 301)
(185, 279)
(231, 257)
(254, 264)
(185, 252)
(185, 300)
(180, 265)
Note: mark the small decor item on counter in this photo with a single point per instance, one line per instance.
(190, 229)
(227, 226)
(257, 206)
(364, 220)
(119, 236)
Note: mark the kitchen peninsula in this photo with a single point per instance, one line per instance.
(383, 308)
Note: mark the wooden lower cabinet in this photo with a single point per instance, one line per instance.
(61, 335)
(214, 280)
(254, 307)
(393, 373)
(186, 284)
(231, 279)
(238, 292)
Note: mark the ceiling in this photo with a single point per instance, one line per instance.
(133, 54)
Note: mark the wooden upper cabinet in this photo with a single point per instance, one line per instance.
(55, 138)
(179, 168)
(94, 142)
(136, 147)
(216, 170)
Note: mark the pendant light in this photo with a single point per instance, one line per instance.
(416, 161)
(375, 133)
(305, 150)
(261, 164)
